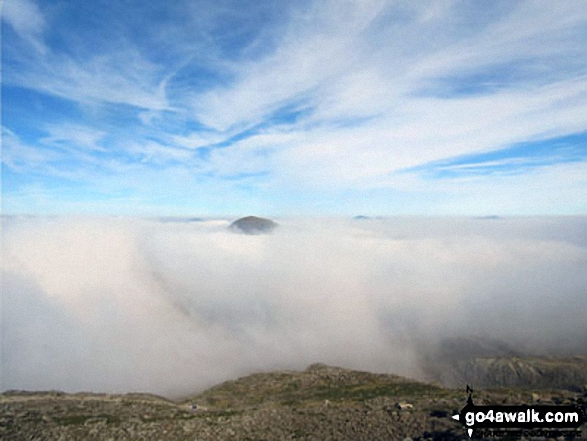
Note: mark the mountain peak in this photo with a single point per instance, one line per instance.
(253, 225)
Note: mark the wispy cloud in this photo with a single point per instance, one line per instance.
(74, 136)
(319, 96)
(25, 17)
(121, 78)
(21, 157)
(515, 159)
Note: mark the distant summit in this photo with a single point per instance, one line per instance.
(491, 217)
(253, 225)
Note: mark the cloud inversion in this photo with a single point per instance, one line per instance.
(173, 307)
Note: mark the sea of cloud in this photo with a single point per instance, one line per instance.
(172, 307)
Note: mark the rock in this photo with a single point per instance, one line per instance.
(402, 405)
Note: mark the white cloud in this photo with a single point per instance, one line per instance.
(127, 304)
(555, 189)
(369, 77)
(21, 157)
(74, 136)
(316, 48)
(336, 67)
(27, 20)
(157, 153)
(121, 76)
(199, 139)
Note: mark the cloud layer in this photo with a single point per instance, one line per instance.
(173, 307)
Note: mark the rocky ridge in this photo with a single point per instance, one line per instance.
(520, 372)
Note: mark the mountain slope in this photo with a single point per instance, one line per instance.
(322, 402)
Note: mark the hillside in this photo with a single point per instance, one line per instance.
(321, 402)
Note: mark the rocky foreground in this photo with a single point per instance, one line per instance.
(319, 403)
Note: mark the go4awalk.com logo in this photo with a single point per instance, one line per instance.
(519, 420)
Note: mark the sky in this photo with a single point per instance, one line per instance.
(294, 107)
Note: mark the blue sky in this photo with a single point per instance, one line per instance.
(294, 107)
